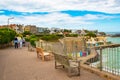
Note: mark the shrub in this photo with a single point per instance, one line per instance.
(26, 33)
(27, 39)
(72, 35)
(6, 35)
(60, 35)
(91, 34)
(50, 37)
(32, 41)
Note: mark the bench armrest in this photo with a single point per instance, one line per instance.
(74, 63)
(78, 61)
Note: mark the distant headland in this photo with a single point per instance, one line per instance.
(113, 34)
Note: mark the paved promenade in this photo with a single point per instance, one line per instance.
(20, 64)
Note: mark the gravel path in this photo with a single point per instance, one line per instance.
(20, 64)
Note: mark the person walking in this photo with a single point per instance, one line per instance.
(16, 42)
(21, 42)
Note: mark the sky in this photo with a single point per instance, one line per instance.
(101, 15)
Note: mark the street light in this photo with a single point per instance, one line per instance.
(9, 20)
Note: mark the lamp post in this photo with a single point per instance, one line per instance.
(9, 20)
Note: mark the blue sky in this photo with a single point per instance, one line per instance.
(103, 15)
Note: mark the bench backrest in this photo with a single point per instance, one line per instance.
(39, 50)
(62, 59)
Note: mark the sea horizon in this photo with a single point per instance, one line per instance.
(112, 33)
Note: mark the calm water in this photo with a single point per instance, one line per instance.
(111, 56)
(115, 40)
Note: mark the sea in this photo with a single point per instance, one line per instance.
(115, 40)
(112, 33)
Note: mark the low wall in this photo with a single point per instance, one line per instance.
(6, 45)
(103, 74)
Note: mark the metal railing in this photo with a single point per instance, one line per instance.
(107, 58)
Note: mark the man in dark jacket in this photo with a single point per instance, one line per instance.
(16, 42)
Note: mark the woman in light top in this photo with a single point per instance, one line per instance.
(21, 41)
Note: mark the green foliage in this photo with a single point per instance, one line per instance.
(33, 36)
(27, 39)
(102, 33)
(86, 31)
(91, 34)
(72, 35)
(66, 30)
(26, 33)
(32, 41)
(109, 42)
(60, 36)
(50, 37)
(30, 37)
(19, 35)
(6, 35)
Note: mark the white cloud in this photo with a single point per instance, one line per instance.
(97, 17)
(55, 19)
(108, 6)
(4, 20)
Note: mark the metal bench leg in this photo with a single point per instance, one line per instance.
(37, 55)
(55, 65)
(43, 58)
(69, 72)
(78, 71)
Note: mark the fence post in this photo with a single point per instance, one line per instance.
(101, 59)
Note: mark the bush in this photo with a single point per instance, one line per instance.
(32, 41)
(6, 35)
(33, 36)
(72, 35)
(60, 35)
(91, 34)
(50, 37)
(26, 33)
(27, 39)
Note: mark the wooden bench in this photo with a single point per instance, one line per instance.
(72, 66)
(30, 48)
(42, 54)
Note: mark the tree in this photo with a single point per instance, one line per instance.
(52, 37)
(6, 35)
(26, 33)
(32, 40)
(91, 34)
(66, 30)
(102, 33)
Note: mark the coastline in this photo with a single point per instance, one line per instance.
(114, 40)
(113, 34)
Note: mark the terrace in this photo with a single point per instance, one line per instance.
(20, 64)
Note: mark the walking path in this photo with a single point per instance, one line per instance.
(20, 64)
